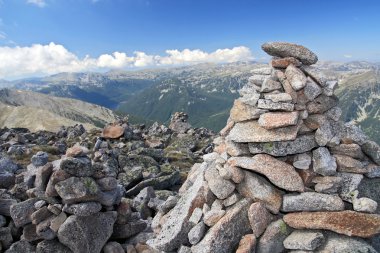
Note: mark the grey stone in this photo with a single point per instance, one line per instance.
(334, 113)
(125, 231)
(323, 162)
(301, 144)
(316, 75)
(113, 247)
(7, 165)
(350, 183)
(87, 234)
(304, 240)
(184, 249)
(231, 200)
(197, 233)
(52, 246)
(270, 85)
(21, 246)
(311, 201)
(353, 150)
(272, 239)
(220, 187)
(312, 90)
(174, 231)
(370, 188)
(196, 216)
(327, 184)
(6, 238)
(344, 244)
(40, 159)
(213, 216)
(296, 77)
(77, 166)
(329, 88)
(107, 183)
(170, 202)
(373, 171)
(284, 49)
(324, 134)
(258, 188)
(257, 79)
(5, 205)
(262, 71)
(302, 161)
(83, 209)
(372, 149)
(225, 235)
(21, 212)
(353, 133)
(275, 106)
(74, 190)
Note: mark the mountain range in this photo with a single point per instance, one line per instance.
(205, 91)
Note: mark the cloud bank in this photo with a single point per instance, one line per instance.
(37, 60)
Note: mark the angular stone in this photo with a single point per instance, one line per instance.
(270, 85)
(247, 244)
(366, 205)
(241, 111)
(56, 223)
(258, 188)
(74, 190)
(344, 222)
(76, 151)
(77, 166)
(353, 150)
(314, 121)
(324, 134)
(312, 90)
(259, 218)
(56, 176)
(350, 183)
(283, 63)
(373, 171)
(40, 159)
(316, 74)
(262, 71)
(311, 201)
(6, 238)
(329, 88)
(237, 174)
(322, 104)
(301, 144)
(40, 215)
(125, 231)
(323, 162)
(296, 77)
(220, 187)
(334, 113)
(21, 212)
(236, 149)
(267, 104)
(174, 231)
(87, 234)
(22, 246)
(279, 97)
(272, 239)
(251, 131)
(197, 233)
(5, 206)
(273, 120)
(258, 79)
(232, 199)
(304, 240)
(279, 173)
(344, 244)
(284, 49)
(113, 131)
(372, 149)
(225, 235)
(42, 176)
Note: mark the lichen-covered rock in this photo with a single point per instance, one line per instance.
(284, 49)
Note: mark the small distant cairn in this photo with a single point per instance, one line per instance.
(285, 172)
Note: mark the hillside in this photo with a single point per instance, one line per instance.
(42, 112)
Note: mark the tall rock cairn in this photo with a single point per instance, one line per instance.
(285, 172)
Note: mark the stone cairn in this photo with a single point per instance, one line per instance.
(284, 175)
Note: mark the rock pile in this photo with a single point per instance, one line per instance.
(100, 194)
(286, 174)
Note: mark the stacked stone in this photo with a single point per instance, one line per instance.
(70, 205)
(284, 175)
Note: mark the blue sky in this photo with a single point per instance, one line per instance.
(335, 30)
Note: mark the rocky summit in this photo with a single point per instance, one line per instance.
(78, 191)
(286, 174)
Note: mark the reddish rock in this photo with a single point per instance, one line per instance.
(247, 244)
(241, 111)
(259, 218)
(273, 120)
(283, 63)
(279, 173)
(113, 131)
(76, 151)
(344, 222)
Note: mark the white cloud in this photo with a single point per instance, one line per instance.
(39, 3)
(17, 62)
(347, 56)
(3, 36)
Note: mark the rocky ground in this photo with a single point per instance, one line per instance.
(96, 191)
